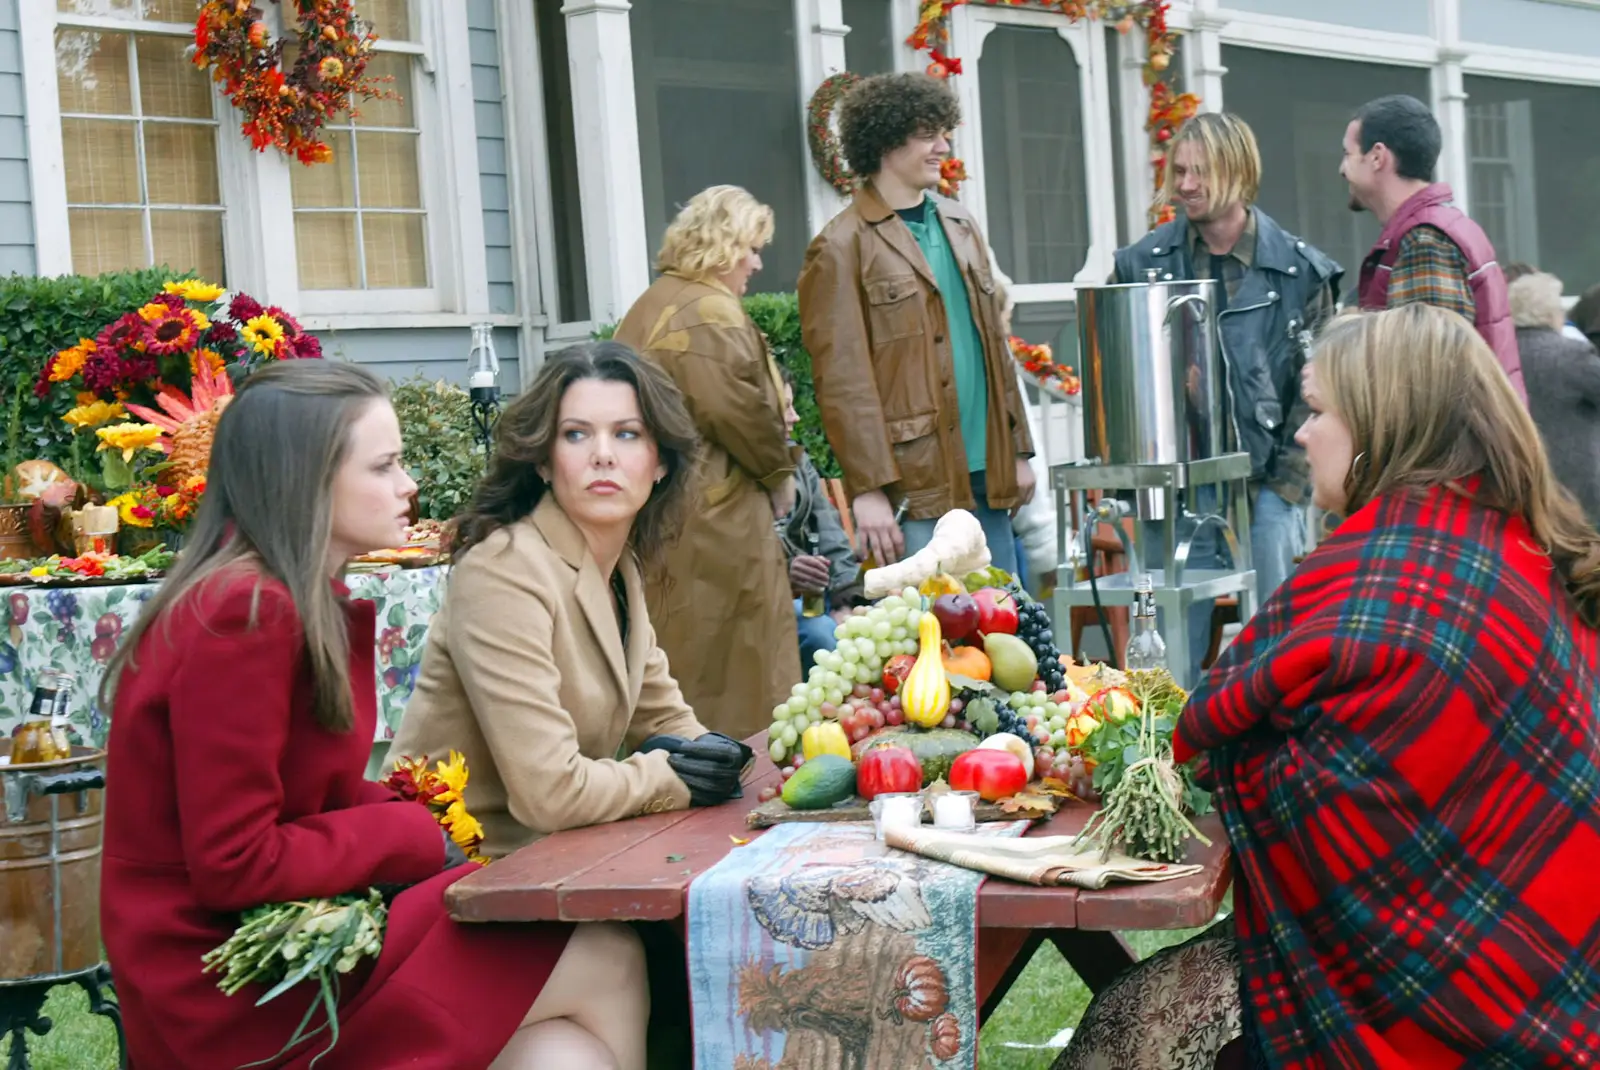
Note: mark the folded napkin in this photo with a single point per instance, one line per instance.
(1042, 860)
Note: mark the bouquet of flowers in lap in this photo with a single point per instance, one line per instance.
(279, 945)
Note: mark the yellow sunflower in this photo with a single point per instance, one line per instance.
(463, 827)
(94, 413)
(210, 356)
(125, 504)
(194, 290)
(129, 438)
(453, 775)
(263, 334)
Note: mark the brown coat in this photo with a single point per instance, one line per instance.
(874, 323)
(724, 610)
(525, 674)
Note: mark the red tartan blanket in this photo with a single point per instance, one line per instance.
(1407, 759)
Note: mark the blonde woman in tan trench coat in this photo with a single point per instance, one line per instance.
(723, 612)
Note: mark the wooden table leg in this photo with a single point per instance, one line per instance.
(1096, 956)
(1002, 956)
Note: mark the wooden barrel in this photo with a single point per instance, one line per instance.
(15, 542)
(50, 865)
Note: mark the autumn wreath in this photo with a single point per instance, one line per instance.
(287, 108)
(825, 152)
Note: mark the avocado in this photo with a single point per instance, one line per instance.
(820, 783)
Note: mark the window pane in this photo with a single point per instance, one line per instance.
(101, 163)
(326, 185)
(572, 285)
(169, 84)
(1533, 168)
(181, 163)
(1033, 157)
(155, 10)
(397, 255)
(325, 248)
(188, 241)
(92, 72)
(718, 95)
(1299, 107)
(869, 46)
(105, 240)
(390, 19)
(387, 170)
(397, 66)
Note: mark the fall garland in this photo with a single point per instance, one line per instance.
(287, 108)
(1168, 110)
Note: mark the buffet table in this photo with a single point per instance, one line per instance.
(75, 629)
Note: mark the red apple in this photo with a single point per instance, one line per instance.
(957, 615)
(997, 611)
(993, 774)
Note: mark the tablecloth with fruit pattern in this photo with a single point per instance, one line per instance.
(76, 629)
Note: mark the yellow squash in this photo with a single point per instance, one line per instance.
(925, 693)
(825, 737)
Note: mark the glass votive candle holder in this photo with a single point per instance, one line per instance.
(956, 811)
(898, 809)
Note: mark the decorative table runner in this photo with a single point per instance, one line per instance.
(76, 630)
(816, 947)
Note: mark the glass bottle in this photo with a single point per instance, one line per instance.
(43, 736)
(1146, 648)
(812, 603)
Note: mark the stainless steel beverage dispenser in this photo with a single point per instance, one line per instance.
(1157, 423)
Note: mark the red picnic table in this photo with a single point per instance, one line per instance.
(640, 870)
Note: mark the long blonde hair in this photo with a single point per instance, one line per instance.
(712, 233)
(1428, 405)
(1231, 161)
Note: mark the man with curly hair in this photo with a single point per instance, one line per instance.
(901, 313)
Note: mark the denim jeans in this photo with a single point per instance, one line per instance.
(816, 633)
(996, 529)
(1277, 537)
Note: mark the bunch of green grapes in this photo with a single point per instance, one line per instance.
(866, 639)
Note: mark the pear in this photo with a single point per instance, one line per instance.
(1011, 660)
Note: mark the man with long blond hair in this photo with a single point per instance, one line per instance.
(1275, 292)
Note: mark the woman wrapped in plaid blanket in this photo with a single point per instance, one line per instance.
(1405, 749)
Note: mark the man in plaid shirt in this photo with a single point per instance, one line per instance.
(1429, 251)
(1277, 291)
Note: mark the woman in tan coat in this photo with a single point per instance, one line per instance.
(542, 662)
(723, 608)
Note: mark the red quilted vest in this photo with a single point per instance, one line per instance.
(1431, 207)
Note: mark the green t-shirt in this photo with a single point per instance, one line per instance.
(966, 346)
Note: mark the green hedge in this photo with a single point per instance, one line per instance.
(39, 316)
(778, 316)
(442, 451)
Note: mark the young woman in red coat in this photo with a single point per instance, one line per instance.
(243, 718)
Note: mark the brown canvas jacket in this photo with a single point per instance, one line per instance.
(874, 324)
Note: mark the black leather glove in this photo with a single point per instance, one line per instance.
(710, 766)
(453, 856)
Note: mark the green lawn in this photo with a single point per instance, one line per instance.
(1046, 998)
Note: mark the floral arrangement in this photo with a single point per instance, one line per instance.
(1038, 362)
(150, 387)
(1168, 110)
(287, 108)
(441, 790)
(282, 944)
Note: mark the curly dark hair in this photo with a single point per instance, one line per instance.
(526, 433)
(885, 111)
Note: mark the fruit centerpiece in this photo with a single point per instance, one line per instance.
(957, 683)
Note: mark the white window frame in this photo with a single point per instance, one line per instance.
(255, 187)
(969, 26)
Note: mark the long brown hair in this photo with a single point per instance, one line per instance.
(268, 508)
(526, 434)
(1428, 405)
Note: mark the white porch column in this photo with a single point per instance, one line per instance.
(1450, 99)
(819, 38)
(1203, 55)
(615, 244)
